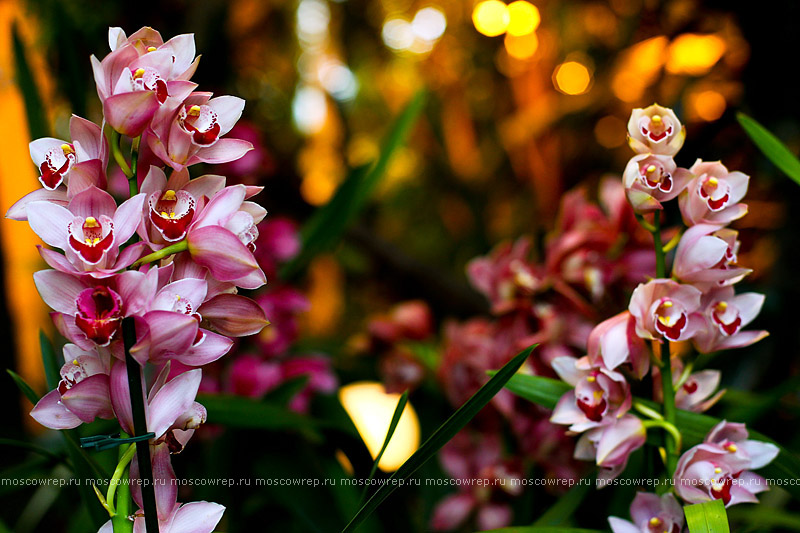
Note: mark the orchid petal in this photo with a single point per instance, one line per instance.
(234, 315)
(172, 401)
(49, 221)
(58, 290)
(51, 413)
(221, 252)
(129, 113)
(223, 151)
(89, 399)
(18, 210)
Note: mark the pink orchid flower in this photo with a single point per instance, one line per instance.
(138, 77)
(253, 377)
(278, 242)
(600, 395)
(665, 308)
(321, 379)
(193, 517)
(614, 342)
(283, 306)
(651, 513)
(610, 445)
(698, 391)
(82, 394)
(724, 315)
(655, 130)
(90, 231)
(714, 194)
(720, 467)
(505, 277)
(188, 131)
(706, 257)
(651, 179)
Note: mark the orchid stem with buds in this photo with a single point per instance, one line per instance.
(178, 247)
(116, 138)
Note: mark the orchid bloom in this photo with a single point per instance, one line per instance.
(82, 394)
(139, 75)
(651, 513)
(655, 130)
(697, 393)
(600, 395)
(706, 257)
(651, 179)
(720, 467)
(610, 445)
(505, 277)
(193, 517)
(665, 309)
(90, 231)
(614, 342)
(725, 314)
(188, 131)
(713, 196)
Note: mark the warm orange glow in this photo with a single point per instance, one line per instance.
(318, 186)
(524, 18)
(522, 46)
(572, 78)
(326, 294)
(638, 68)
(708, 105)
(610, 132)
(694, 54)
(491, 17)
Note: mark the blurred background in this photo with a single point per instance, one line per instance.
(521, 102)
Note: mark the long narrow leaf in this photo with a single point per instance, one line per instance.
(34, 109)
(398, 412)
(441, 436)
(238, 412)
(23, 386)
(537, 529)
(328, 224)
(771, 147)
(49, 360)
(31, 447)
(708, 517)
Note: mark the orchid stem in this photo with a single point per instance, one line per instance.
(687, 371)
(178, 247)
(647, 411)
(670, 428)
(115, 479)
(116, 138)
(140, 426)
(133, 184)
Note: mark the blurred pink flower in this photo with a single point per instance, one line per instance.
(614, 342)
(651, 179)
(665, 308)
(724, 314)
(713, 196)
(651, 513)
(610, 445)
(706, 257)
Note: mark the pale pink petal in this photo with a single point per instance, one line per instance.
(116, 37)
(84, 175)
(89, 399)
(50, 413)
(18, 210)
(93, 202)
(197, 517)
(760, 453)
(452, 511)
(234, 315)
(223, 151)
(207, 185)
(169, 332)
(121, 397)
(221, 207)
(493, 516)
(619, 525)
(172, 401)
(49, 221)
(182, 48)
(127, 218)
(155, 180)
(221, 252)
(211, 348)
(88, 134)
(164, 476)
(229, 111)
(58, 290)
(130, 113)
(40, 147)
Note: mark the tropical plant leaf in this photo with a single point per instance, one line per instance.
(52, 369)
(771, 147)
(32, 447)
(537, 529)
(23, 386)
(398, 412)
(283, 393)
(328, 224)
(34, 109)
(708, 517)
(238, 412)
(441, 436)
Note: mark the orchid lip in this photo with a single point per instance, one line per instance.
(91, 239)
(171, 213)
(99, 314)
(201, 122)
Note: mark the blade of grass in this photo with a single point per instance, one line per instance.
(52, 370)
(440, 437)
(23, 386)
(708, 517)
(771, 147)
(34, 109)
(398, 412)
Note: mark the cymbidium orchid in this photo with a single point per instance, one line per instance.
(725, 314)
(666, 309)
(611, 444)
(713, 196)
(651, 179)
(651, 513)
(707, 256)
(614, 342)
(655, 130)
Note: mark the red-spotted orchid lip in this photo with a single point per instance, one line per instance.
(91, 238)
(656, 128)
(202, 122)
(148, 79)
(670, 319)
(716, 193)
(99, 314)
(171, 212)
(654, 176)
(590, 397)
(57, 162)
(726, 317)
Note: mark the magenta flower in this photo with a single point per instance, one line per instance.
(651, 513)
(724, 315)
(651, 179)
(610, 445)
(82, 394)
(706, 257)
(506, 276)
(278, 241)
(250, 376)
(321, 379)
(600, 395)
(714, 194)
(664, 308)
(614, 342)
(194, 517)
(90, 231)
(720, 467)
(655, 130)
(283, 307)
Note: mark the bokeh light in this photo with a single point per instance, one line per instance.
(524, 18)
(694, 54)
(521, 46)
(610, 132)
(572, 77)
(491, 18)
(709, 105)
(429, 24)
(309, 109)
(371, 409)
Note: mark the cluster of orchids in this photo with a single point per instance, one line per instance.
(145, 289)
(696, 303)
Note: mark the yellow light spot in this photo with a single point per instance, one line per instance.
(694, 54)
(572, 78)
(651, 169)
(708, 105)
(91, 222)
(521, 46)
(194, 111)
(152, 49)
(138, 73)
(524, 18)
(491, 17)
(169, 195)
(371, 409)
(591, 379)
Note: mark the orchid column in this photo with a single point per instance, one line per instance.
(152, 278)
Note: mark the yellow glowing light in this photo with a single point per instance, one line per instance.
(491, 17)
(521, 46)
(371, 409)
(318, 186)
(694, 54)
(708, 105)
(572, 78)
(524, 18)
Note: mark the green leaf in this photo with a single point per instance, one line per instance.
(325, 228)
(52, 369)
(31, 447)
(441, 436)
(771, 147)
(398, 412)
(283, 393)
(86, 468)
(239, 412)
(34, 108)
(566, 505)
(23, 386)
(693, 426)
(536, 529)
(708, 517)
